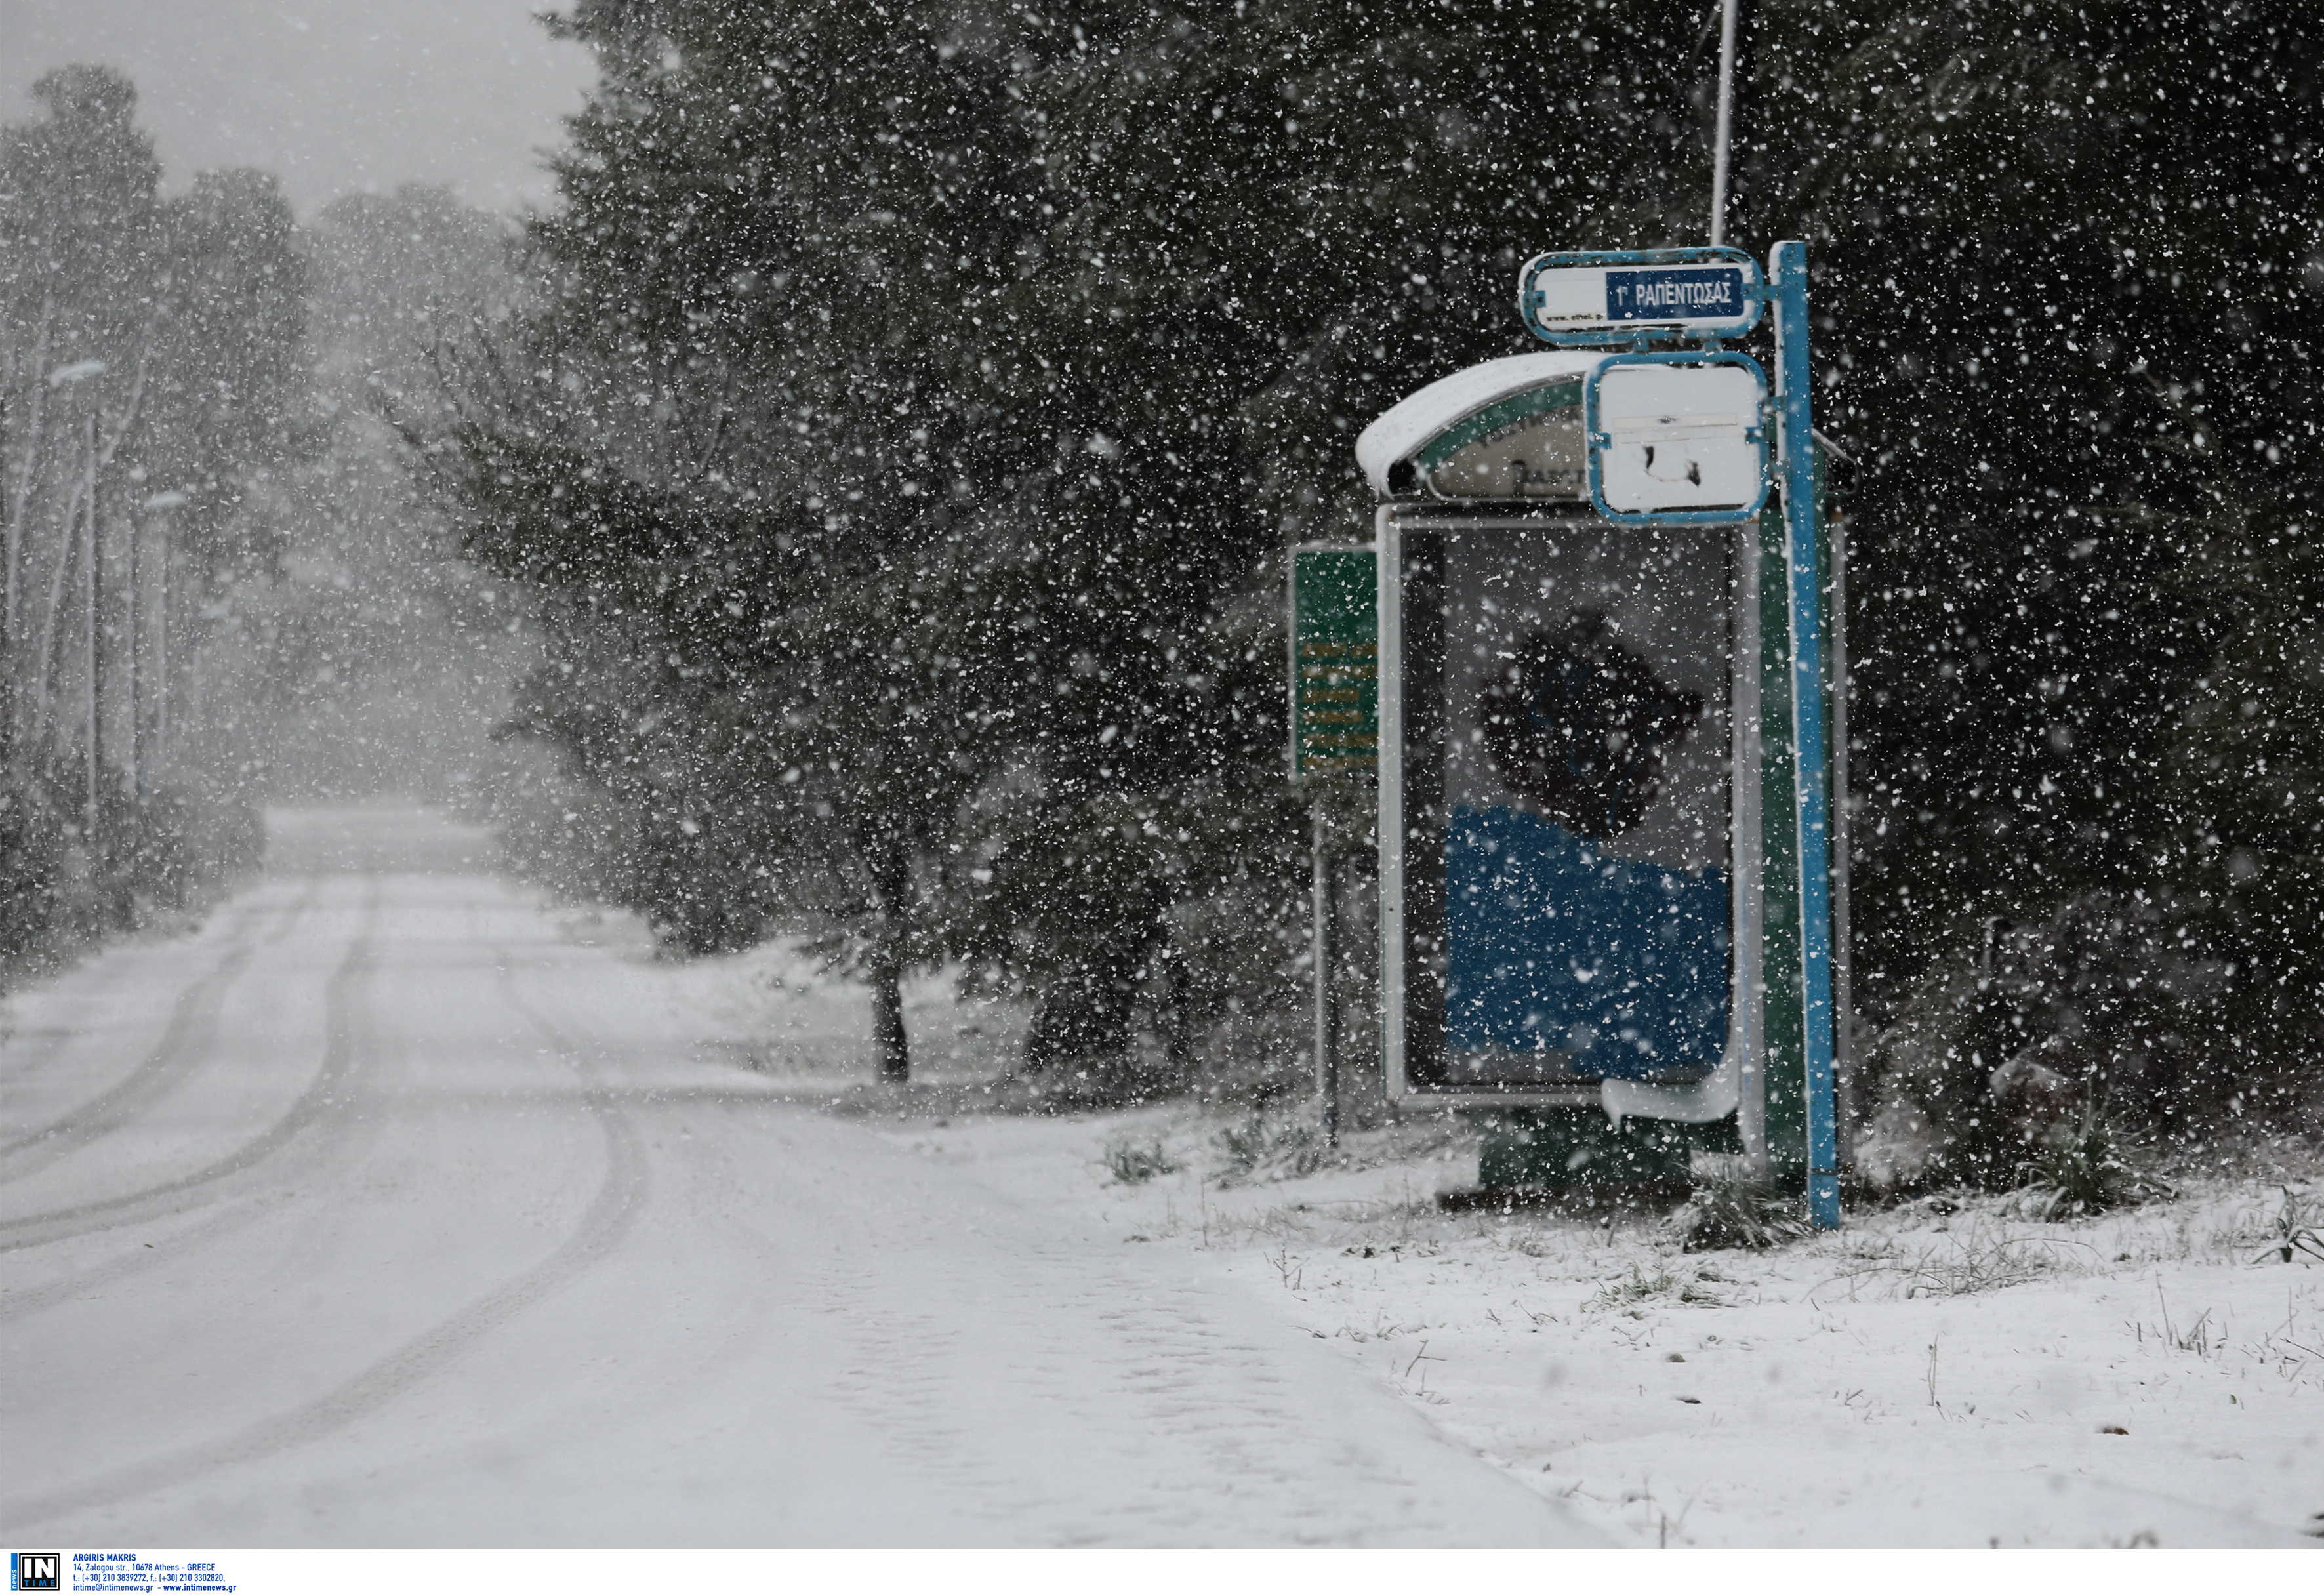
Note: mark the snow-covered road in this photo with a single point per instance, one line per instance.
(380, 1213)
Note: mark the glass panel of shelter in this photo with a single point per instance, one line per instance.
(1584, 810)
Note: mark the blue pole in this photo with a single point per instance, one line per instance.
(1787, 278)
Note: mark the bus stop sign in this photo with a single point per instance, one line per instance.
(1677, 437)
(1605, 296)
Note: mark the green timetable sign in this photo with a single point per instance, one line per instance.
(1334, 661)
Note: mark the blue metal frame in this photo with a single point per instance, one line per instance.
(1594, 440)
(1795, 393)
(1642, 333)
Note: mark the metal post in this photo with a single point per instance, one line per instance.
(136, 661)
(1746, 853)
(1327, 1015)
(1787, 276)
(161, 653)
(93, 591)
(1723, 134)
(1843, 972)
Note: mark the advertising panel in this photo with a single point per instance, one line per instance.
(1564, 895)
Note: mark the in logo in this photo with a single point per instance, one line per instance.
(35, 1571)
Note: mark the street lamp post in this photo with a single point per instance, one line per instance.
(146, 757)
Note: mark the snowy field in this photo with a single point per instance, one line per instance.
(1918, 1380)
(400, 1206)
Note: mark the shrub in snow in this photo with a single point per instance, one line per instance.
(1626, 1293)
(2107, 996)
(2296, 1230)
(2085, 1166)
(1258, 1146)
(1732, 1210)
(1132, 1160)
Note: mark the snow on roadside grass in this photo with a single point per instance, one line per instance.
(1966, 1379)
(1923, 1378)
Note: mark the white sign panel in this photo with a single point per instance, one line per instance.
(1667, 438)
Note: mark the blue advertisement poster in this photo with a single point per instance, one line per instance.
(1585, 805)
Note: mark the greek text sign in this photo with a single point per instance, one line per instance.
(1609, 296)
(1713, 292)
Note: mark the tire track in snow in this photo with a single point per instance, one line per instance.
(188, 1035)
(336, 1139)
(88, 1001)
(611, 1211)
(326, 1093)
(41, 1044)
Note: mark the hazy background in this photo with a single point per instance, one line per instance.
(335, 97)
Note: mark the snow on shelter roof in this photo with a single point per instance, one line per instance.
(1404, 428)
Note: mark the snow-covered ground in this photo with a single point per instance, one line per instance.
(395, 1209)
(1923, 1378)
(1920, 1380)
(400, 1206)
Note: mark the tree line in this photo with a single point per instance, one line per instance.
(222, 586)
(151, 396)
(919, 400)
(895, 427)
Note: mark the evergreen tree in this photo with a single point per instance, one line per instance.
(737, 448)
(1088, 280)
(2066, 301)
(1272, 223)
(80, 225)
(921, 398)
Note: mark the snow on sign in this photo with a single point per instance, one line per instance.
(1605, 296)
(1677, 437)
